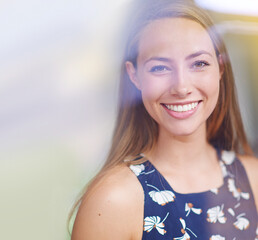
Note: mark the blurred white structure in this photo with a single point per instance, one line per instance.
(239, 7)
(58, 78)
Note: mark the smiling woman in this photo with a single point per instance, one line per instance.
(183, 81)
(180, 166)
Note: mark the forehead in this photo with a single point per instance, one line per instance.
(175, 36)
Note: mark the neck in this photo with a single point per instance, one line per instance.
(180, 151)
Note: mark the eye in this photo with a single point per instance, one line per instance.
(159, 68)
(200, 64)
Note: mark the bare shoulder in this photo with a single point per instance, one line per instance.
(113, 209)
(251, 166)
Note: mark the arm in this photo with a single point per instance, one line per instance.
(251, 165)
(113, 210)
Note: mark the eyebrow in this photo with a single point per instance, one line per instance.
(193, 55)
(197, 54)
(162, 59)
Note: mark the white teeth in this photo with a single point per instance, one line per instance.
(182, 108)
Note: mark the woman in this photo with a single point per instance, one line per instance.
(173, 171)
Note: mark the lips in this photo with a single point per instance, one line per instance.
(182, 107)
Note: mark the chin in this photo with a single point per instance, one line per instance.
(183, 134)
(183, 131)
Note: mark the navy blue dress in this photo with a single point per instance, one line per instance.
(224, 213)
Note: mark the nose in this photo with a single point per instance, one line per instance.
(180, 84)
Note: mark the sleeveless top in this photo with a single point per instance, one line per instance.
(224, 213)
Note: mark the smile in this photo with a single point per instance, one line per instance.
(181, 108)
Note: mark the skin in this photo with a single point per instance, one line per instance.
(187, 73)
(184, 74)
(114, 208)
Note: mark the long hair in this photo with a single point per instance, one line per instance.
(135, 130)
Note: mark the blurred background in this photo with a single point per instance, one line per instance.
(59, 68)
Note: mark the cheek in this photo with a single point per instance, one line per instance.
(149, 97)
(214, 85)
(212, 89)
(152, 87)
(214, 95)
(151, 91)
(210, 83)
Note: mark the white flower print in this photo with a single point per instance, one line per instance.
(217, 237)
(189, 207)
(242, 223)
(231, 211)
(215, 190)
(225, 173)
(185, 236)
(223, 168)
(216, 214)
(237, 193)
(228, 157)
(154, 222)
(237, 205)
(161, 197)
(137, 169)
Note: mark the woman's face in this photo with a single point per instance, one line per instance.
(178, 74)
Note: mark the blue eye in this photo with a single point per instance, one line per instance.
(200, 64)
(159, 68)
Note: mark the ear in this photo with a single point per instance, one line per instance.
(131, 71)
(221, 65)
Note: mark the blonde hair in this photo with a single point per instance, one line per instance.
(135, 131)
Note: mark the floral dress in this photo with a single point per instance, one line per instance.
(224, 213)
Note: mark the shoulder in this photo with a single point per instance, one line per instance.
(113, 209)
(250, 164)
